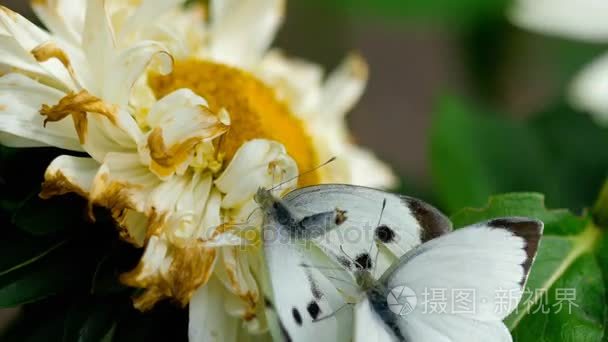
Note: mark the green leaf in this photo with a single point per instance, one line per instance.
(42, 217)
(60, 271)
(565, 262)
(476, 154)
(19, 250)
(90, 320)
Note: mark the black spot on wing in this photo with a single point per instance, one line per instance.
(527, 229)
(385, 234)
(313, 309)
(296, 316)
(363, 261)
(432, 222)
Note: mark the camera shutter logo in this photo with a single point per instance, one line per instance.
(401, 300)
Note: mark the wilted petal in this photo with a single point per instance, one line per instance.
(231, 43)
(258, 163)
(67, 174)
(21, 38)
(167, 272)
(21, 100)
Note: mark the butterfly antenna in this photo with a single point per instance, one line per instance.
(333, 313)
(348, 256)
(321, 267)
(374, 239)
(332, 159)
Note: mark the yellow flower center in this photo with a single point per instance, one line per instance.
(255, 111)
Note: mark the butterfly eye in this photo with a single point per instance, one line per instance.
(363, 261)
(385, 234)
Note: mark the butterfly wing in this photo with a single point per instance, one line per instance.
(297, 295)
(464, 283)
(405, 223)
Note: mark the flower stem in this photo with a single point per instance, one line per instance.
(600, 209)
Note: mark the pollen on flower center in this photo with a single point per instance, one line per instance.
(255, 111)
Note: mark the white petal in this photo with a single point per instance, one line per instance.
(256, 164)
(367, 170)
(241, 31)
(104, 136)
(297, 82)
(147, 12)
(590, 89)
(208, 321)
(578, 19)
(98, 44)
(65, 18)
(344, 87)
(20, 101)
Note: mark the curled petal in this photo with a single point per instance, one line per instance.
(130, 65)
(179, 122)
(258, 163)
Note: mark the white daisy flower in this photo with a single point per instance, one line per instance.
(184, 113)
(576, 19)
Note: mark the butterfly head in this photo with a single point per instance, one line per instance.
(264, 199)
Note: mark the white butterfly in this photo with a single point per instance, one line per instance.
(309, 259)
(489, 262)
